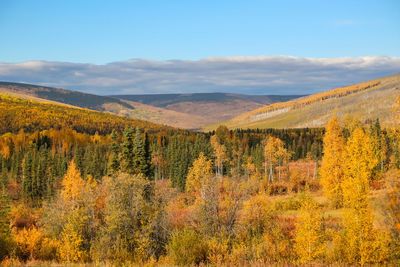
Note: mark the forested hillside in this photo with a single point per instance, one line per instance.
(188, 111)
(91, 191)
(21, 114)
(366, 101)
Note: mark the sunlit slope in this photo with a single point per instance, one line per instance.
(117, 106)
(367, 100)
(30, 115)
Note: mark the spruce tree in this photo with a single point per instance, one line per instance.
(27, 189)
(5, 233)
(140, 158)
(4, 174)
(127, 151)
(79, 158)
(42, 172)
(115, 153)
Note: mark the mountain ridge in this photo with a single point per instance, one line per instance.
(368, 100)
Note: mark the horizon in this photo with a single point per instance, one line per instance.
(255, 75)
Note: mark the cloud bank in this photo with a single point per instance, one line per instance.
(248, 75)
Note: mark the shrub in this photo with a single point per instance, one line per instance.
(187, 247)
(278, 188)
(287, 204)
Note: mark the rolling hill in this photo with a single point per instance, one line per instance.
(30, 115)
(207, 108)
(57, 95)
(368, 100)
(188, 111)
(102, 103)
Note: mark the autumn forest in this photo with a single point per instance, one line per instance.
(85, 187)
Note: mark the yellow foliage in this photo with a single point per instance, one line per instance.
(219, 152)
(358, 165)
(71, 246)
(363, 243)
(332, 163)
(48, 249)
(28, 241)
(199, 174)
(255, 214)
(309, 240)
(72, 183)
(217, 251)
(19, 113)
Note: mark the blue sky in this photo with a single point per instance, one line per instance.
(146, 46)
(100, 32)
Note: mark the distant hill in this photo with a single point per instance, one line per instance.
(189, 111)
(208, 107)
(102, 103)
(368, 100)
(69, 97)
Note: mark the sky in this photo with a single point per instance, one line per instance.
(109, 47)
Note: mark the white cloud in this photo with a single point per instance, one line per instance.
(250, 75)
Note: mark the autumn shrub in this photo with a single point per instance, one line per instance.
(255, 215)
(23, 216)
(218, 250)
(6, 246)
(187, 247)
(48, 250)
(239, 255)
(297, 181)
(300, 182)
(28, 242)
(180, 211)
(274, 246)
(278, 188)
(292, 203)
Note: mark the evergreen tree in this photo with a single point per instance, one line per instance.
(128, 164)
(79, 158)
(147, 150)
(4, 174)
(5, 234)
(140, 157)
(27, 188)
(114, 165)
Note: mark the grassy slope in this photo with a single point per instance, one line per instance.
(371, 100)
(207, 108)
(158, 115)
